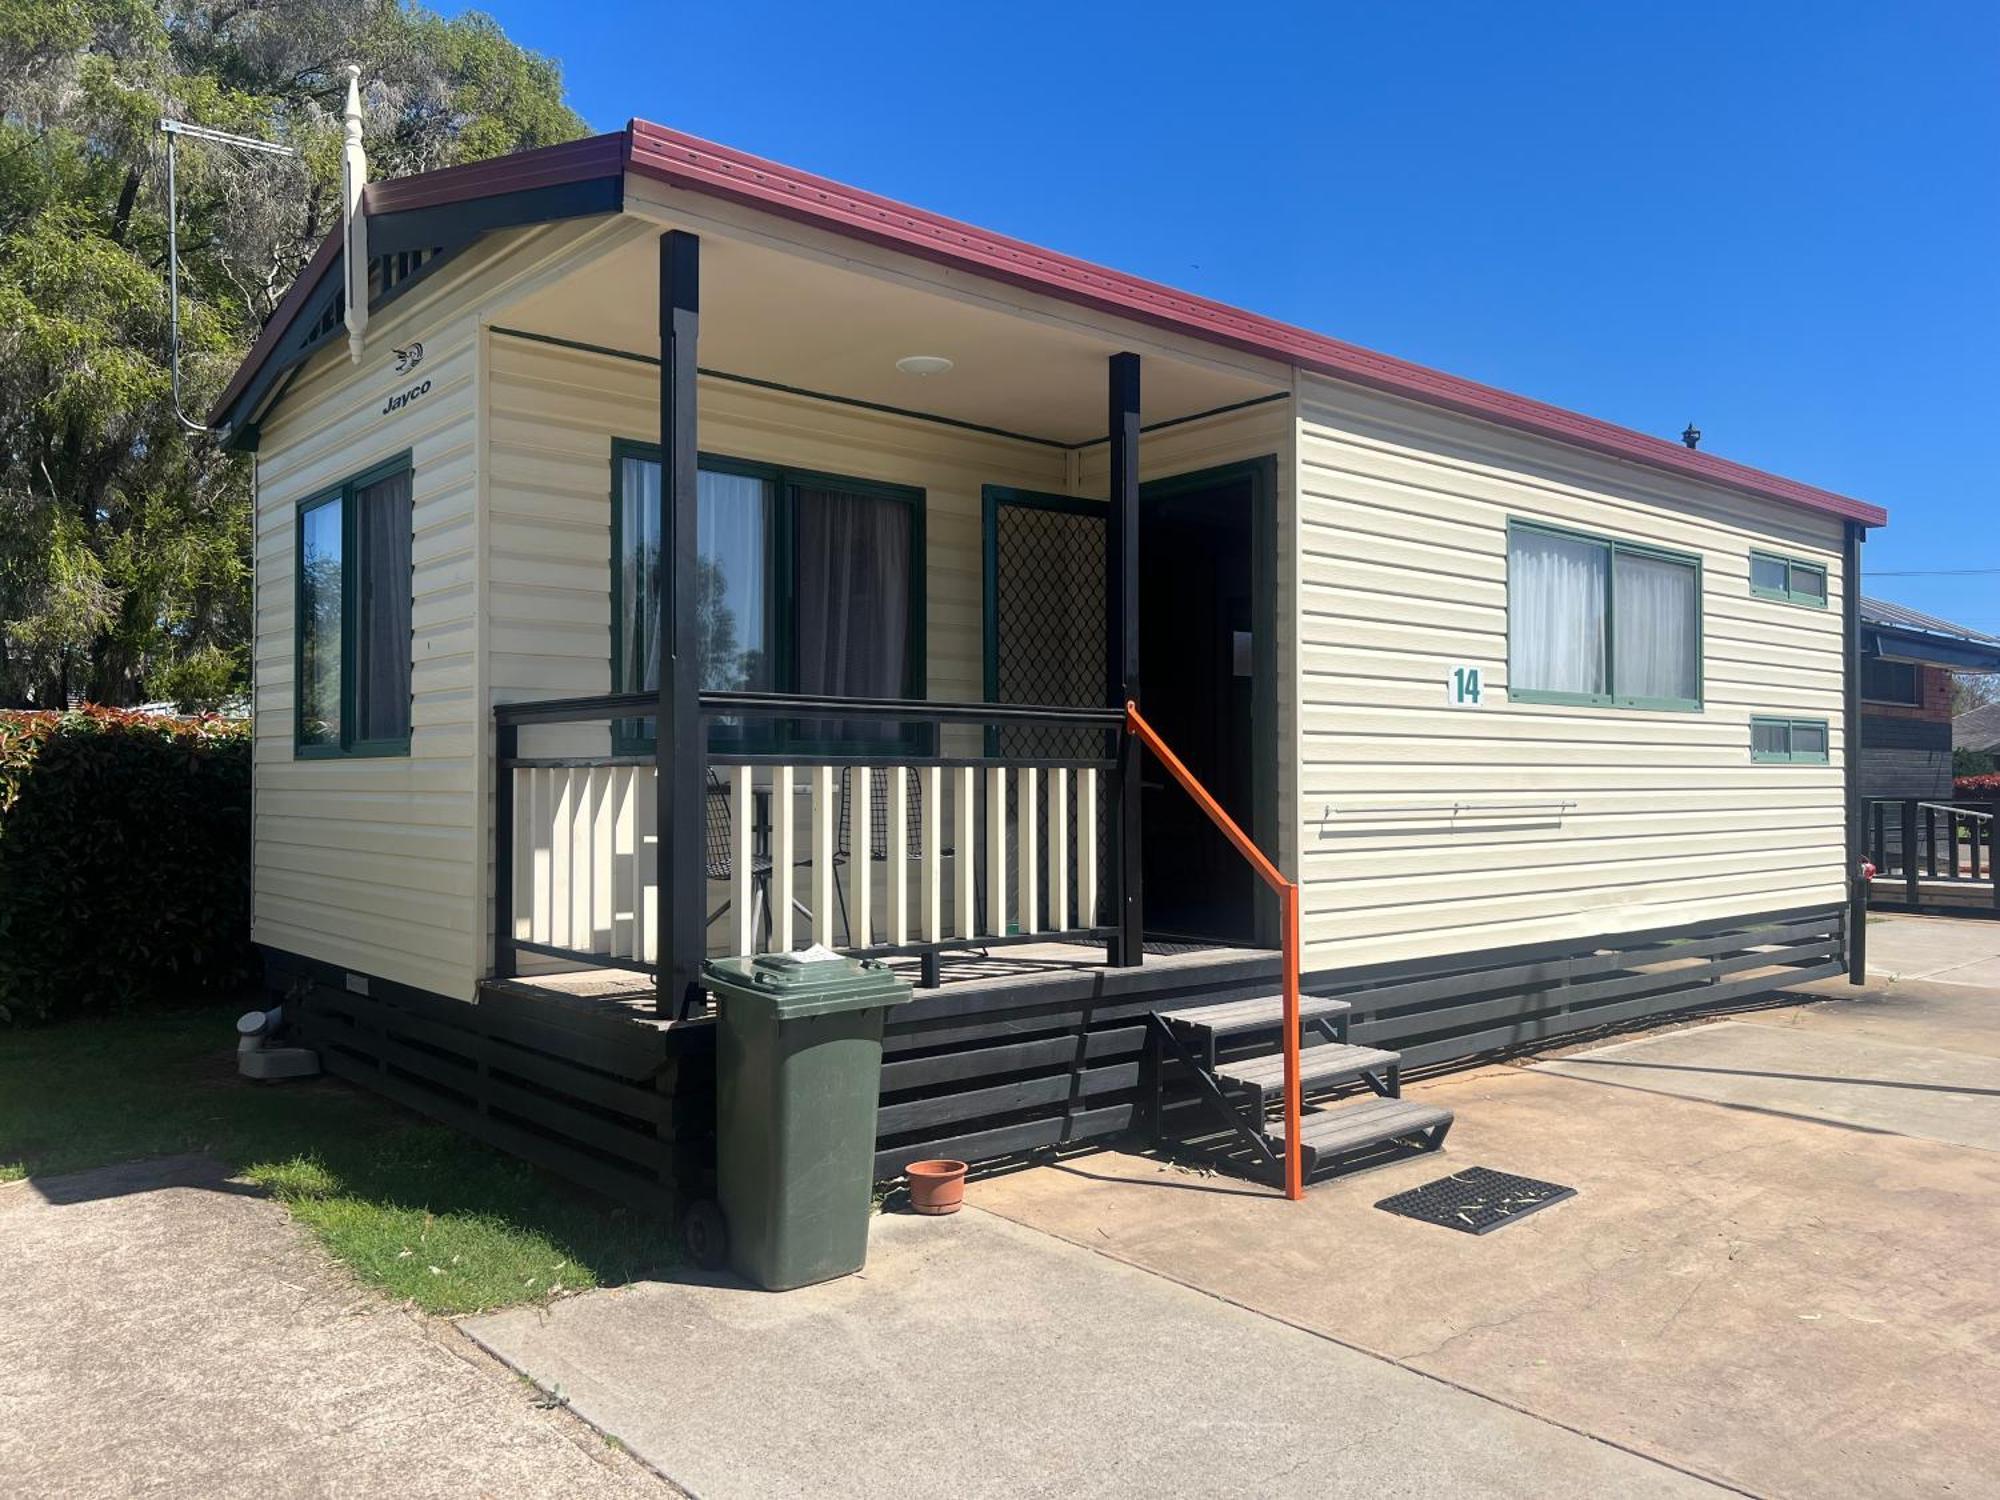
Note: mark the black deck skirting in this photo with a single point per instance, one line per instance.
(621, 1104)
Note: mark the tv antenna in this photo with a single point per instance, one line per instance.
(172, 129)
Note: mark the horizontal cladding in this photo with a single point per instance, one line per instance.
(1403, 517)
(368, 863)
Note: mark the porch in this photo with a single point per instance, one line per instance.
(895, 642)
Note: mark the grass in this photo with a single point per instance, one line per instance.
(422, 1212)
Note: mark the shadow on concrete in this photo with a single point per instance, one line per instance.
(1877, 1083)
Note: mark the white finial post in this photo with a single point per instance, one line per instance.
(354, 223)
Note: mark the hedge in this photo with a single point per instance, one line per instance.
(1976, 786)
(124, 861)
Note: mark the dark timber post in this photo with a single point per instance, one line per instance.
(506, 746)
(1850, 711)
(678, 740)
(1121, 638)
(1912, 890)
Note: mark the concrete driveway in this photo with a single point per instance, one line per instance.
(1781, 1276)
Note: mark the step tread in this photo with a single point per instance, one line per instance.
(1328, 1060)
(1352, 1126)
(1249, 1015)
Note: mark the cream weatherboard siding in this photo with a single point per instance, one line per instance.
(1403, 514)
(552, 414)
(373, 864)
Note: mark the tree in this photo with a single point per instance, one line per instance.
(125, 537)
(1970, 690)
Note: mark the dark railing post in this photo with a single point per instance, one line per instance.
(506, 745)
(1992, 830)
(678, 734)
(1853, 535)
(1952, 820)
(1930, 842)
(1121, 559)
(1912, 891)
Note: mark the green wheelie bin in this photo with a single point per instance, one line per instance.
(798, 1073)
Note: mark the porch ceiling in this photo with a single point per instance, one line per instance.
(772, 316)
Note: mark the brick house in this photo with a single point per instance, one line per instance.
(1907, 661)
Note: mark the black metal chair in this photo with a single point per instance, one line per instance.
(878, 828)
(719, 859)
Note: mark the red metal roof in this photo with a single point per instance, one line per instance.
(688, 162)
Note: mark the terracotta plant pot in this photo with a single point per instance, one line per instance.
(936, 1187)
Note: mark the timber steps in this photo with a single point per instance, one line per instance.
(1245, 1089)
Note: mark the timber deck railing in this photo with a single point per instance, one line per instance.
(844, 821)
(1913, 843)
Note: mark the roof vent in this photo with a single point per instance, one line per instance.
(1691, 435)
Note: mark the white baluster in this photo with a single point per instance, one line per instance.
(646, 860)
(822, 854)
(784, 859)
(897, 848)
(562, 845)
(860, 856)
(742, 837)
(1025, 786)
(964, 850)
(996, 852)
(603, 809)
(619, 849)
(1059, 848)
(931, 779)
(1086, 847)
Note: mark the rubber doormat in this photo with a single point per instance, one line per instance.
(1476, 1200)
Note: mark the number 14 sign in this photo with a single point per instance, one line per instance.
(1465, 687)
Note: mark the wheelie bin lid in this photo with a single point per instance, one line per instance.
(812, 982)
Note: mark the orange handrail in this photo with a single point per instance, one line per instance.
(1288, 896)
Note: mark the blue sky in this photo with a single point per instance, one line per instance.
(1779, 220)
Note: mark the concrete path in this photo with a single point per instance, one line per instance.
(1813, 1074)
(978, 1358)
(164, 1334)
(1956, 950)
(1758, 1293)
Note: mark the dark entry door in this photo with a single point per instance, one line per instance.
(1208, 670)
(1198, 661)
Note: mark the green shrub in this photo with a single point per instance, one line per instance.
(124, 861)
(1973, 763)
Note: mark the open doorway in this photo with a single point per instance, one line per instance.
(1208, 669)
(1207, 683)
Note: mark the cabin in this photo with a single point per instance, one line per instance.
(663, 553)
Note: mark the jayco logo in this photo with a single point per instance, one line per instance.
(403, 398)
(408, 359)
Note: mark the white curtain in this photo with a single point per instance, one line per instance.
(1555, 613)
(1655, 629)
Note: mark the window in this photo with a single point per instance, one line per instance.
(1799, 740)
(805, 583)
(1891, 681)
(1596, 621)
(354, 617)
(1787, 578)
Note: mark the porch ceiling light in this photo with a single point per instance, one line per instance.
(923, 364)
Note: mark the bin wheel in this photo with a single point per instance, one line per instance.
(705, 1234)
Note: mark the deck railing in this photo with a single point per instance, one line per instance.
(873, 826)
(1912, 841)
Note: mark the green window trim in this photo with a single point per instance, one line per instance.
(1613, 699)
(1789, 728)
(346, 747)
(1791, 593)
(780, 596)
